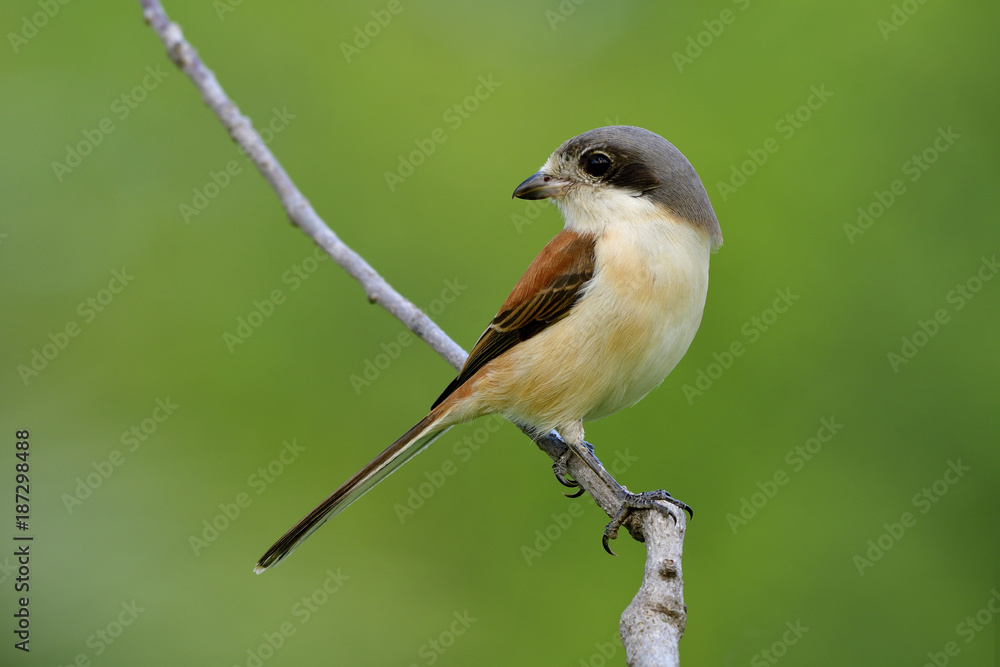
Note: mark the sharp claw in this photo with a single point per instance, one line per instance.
(577, 494)
(606, 547)
(571, 483)
(559, 468)
(677, 503)
(611, 530)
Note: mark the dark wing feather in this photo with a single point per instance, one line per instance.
(543, 296)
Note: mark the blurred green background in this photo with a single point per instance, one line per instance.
(867, 548)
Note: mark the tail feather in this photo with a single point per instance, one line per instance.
(414, 441)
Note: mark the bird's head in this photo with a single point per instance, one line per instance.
(603, 175)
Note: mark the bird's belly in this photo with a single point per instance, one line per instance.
(642, 351)
(617, 344)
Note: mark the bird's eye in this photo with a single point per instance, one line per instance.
(596, 164)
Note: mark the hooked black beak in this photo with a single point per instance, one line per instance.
(541, 186)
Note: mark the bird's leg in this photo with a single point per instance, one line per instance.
(630, 502)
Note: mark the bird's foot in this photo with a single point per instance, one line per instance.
(561, 467)
(642, 501)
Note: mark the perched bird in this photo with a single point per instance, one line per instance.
(601, 316)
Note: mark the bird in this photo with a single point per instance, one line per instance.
(598, 320)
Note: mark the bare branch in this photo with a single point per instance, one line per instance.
(653, 623)
(299, 210)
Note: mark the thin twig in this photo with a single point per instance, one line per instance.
(654, 622)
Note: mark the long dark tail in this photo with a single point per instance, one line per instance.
(409, 445)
